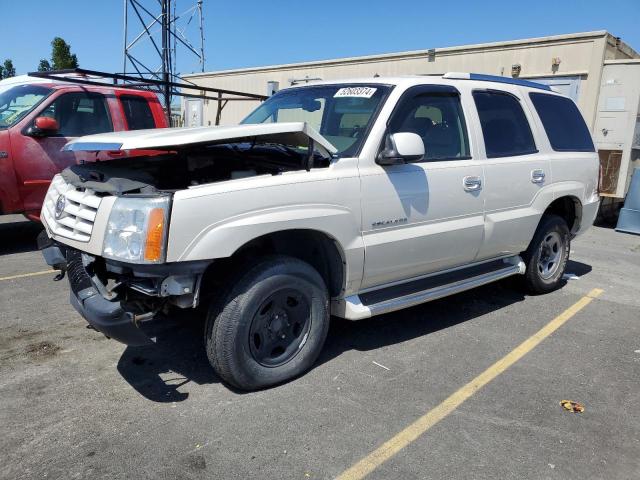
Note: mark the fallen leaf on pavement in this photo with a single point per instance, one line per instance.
(572, 406)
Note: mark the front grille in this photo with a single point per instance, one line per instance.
(79, 214)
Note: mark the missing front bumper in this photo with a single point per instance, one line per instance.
(106, 316)
(111, 316)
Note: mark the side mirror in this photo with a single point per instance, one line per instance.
(43, 127)
(402, 147)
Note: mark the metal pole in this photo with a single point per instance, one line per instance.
(124, 47)
(166, 66)
(219, 110)
(201, 35)
(174, 52)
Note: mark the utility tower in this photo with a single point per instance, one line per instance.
(155, 32)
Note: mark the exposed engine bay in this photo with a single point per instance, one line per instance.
(193, 166)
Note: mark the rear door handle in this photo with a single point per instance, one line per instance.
(472, 183)
(537, 176)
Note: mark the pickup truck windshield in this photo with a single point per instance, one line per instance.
(341, 113)
(18, 101)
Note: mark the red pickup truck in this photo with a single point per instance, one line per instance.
(37, 119)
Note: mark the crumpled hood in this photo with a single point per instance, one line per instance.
(290, 133)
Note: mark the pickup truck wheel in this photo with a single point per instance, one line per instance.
(547, 255)
(271, 324)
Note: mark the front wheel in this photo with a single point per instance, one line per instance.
(271, 325)
(547, 255)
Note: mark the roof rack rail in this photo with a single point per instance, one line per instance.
(495, 78)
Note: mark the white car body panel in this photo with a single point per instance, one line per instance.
(442, 224)
(513, 201)
(323, 199)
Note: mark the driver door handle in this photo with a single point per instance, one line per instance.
(472, 183)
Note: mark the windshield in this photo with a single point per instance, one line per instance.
(341, 113)
(18, 101)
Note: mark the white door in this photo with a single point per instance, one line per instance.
(515, 173)
(193, 113)
(420, 217)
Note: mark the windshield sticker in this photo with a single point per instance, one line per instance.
(358, 92)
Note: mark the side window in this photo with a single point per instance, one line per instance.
(563, 123)
(137, 112)
(505, 128)
(439, 121)
(80, 113)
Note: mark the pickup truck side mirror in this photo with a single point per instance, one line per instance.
(43, 127)
(402, 147)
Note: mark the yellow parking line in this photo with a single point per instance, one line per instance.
(24, 275)
(388, 449)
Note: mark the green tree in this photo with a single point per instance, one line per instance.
(44, 65)
(7, 70)
(61, 56)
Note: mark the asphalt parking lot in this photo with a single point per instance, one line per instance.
(76, 405)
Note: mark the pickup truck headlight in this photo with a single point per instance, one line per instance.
(137, 230)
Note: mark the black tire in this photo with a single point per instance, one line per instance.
(538, 279)
(280, 295)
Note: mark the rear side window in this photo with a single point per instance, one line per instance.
(137, 112)
(563, 123)
(505, 127)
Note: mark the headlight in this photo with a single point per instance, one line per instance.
(137, 230)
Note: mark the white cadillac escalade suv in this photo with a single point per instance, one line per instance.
(350, 198)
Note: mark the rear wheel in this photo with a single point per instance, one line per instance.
(547, 255)
(271, 325)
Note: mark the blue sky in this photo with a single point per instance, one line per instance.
(244, 33)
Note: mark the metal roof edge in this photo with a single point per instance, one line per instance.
(623, 61)
(410, 53)
(622, 46)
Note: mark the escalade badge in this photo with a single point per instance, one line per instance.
(60, 204)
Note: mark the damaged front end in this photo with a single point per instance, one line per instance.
(114, 297)
(107, 223)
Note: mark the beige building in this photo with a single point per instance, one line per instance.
(599, 71)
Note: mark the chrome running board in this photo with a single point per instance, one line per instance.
(377, 302)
